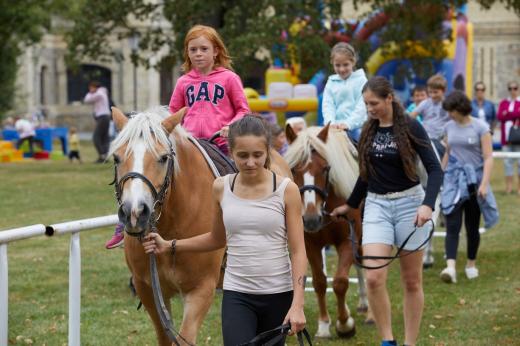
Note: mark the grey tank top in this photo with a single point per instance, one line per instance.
(257, 256)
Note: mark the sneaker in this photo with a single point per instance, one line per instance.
(117, 238)
(449, 275)
(471, 272)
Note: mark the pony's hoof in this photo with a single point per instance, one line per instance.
(323, 330)
(347, 329)
(362, 309)
(370, 321)
(427, 265)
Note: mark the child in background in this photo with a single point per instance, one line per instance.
(279, 141)
(419, 94)
(343, 104)
(434, 117)
(212, 92)
(74, 145)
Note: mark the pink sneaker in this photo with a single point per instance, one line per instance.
(117, 238)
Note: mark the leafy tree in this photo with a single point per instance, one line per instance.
(23, 23)
(247, 26)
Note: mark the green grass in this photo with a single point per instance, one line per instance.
(480, 312)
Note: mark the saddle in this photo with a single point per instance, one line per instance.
(223, 163)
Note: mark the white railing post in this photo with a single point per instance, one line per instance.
(4, 300)
(74, 290)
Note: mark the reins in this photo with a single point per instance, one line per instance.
(358, 259)
(274, 336)
(158, 196)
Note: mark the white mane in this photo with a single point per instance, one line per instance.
(339, 152)
(147, 126)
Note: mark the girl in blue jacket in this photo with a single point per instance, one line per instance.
(343, 104)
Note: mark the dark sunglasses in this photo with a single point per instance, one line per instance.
(512, 88)
(480, 89)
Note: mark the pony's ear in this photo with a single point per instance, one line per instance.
(324, 133)
(119, 118)
(290, 134)
(173, 120)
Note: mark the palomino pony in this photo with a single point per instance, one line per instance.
(325, 168)
(165, 183)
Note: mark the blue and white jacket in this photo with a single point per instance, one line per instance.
(457, 179)
(343, 100)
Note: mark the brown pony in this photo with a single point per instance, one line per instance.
(147, 146)
(325, 168)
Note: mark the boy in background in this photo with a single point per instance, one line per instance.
(434, 117)
(419, 94)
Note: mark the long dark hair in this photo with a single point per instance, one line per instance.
(382, 88)
(253, 125)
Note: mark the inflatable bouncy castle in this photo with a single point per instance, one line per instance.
(456, 67)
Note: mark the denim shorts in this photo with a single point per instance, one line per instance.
(389, 219)
(509, 164)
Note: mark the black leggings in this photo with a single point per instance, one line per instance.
(471, 211)
(244, 315)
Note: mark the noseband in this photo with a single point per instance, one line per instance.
(158, 197)
(324, 193)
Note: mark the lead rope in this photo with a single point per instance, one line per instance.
(359, 259)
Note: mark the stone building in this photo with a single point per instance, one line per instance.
(45, 81)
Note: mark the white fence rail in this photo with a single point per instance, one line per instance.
(73, 228)
(506, 155)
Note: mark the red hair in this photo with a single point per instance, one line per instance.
(221, 60)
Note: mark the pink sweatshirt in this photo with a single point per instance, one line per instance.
(213, 101)
(508, 111)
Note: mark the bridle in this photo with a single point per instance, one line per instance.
(323, 193)
(158, 197)
(155, 215)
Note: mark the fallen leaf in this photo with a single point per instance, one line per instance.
(28, 341)
(432, 326)
(438, 317)
(20, 338)
(431, 336)
(497, 328)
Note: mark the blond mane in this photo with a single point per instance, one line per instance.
(339, 152)
(147, 126)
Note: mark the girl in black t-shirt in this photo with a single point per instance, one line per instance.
(389, 147)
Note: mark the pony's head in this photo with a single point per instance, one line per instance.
(144, 159)
(323, 163)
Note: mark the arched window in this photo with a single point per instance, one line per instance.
(77, 80)
(43, 82)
